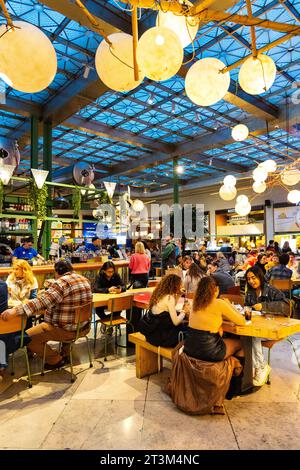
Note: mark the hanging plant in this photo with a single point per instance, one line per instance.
(76, 202)
(104, 198)
(1, 197)
(38, 200)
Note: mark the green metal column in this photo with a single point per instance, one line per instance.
(47, 165)
(34, 160)
(175, 182)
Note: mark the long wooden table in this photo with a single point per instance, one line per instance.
(101, 300)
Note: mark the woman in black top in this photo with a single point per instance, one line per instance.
(108, 281)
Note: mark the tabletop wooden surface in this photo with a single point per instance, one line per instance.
(270, 326)
(101, 300)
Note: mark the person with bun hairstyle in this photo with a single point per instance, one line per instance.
(69, 291)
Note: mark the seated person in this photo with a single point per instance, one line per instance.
(186, 264)
(8, 341)
(261, 296)
(204, 337)
(223, 262)
(108, 281)
(224, 280)
(22, 285)
(167, 323)
(281, 271)
(261, 262)
(194, 274)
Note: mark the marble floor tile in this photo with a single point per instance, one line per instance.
(111, 384)
(120, 427)
(76, 424)
(166, 427)
(29, 425)
(156, 383)
(265, 426)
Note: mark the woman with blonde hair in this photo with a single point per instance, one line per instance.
(163, 323)
(21, 283)
(139, 266)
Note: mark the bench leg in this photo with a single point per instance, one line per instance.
(146, 362)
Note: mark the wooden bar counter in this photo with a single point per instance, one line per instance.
(89, 270)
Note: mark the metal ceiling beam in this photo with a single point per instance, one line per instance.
(21, 107)
(116, 134)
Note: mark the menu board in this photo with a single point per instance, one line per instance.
(287, 219)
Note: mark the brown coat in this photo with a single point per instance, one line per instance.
(197, 386)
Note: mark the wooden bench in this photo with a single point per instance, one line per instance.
(148, 357)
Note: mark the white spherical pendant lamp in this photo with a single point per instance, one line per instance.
(229, 181)
(185, 27)
(243, 210)
(269, 165)
(227, 193)
(260, 174)
(28, 61)
(291, 177)
(159, 53)
(138, 205)
(242, 200)
(257, 74)
(259, 187)
(205, 84)
(294, 196)
(114, 64)
(240, 132)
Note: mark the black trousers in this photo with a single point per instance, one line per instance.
(142, 279)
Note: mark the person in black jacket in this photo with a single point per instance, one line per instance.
(108, 281)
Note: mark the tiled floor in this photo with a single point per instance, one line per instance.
(108, 408)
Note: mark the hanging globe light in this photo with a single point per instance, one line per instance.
(242, 200)
(243, 210)
(205, 84)
(259, 187)
(28, 61)
(227, 193)
(260, 174)
(138, 205)
(291, 177)
(257, 74)
(114, 64)
(240, 132)
(269, 165)
(229, 180)
(159, 53)
(294, 196)
(185, 27)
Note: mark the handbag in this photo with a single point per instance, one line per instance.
(148, 323)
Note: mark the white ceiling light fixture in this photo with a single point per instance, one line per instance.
(114, 64)
(257, 74)
(269, 165)
(259, 187)
(229, 180)
(290, 177)
(185, 27)
(243, 210)
(240, 132)
(28, 61)
(39, 177)
(294, 196)
(138, 205)
(242, 200)
(6, 172)
(227, 193)
(260, 174)
(205, 84)
(159, 53)
(179, 169)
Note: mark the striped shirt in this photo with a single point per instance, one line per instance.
(69, 291)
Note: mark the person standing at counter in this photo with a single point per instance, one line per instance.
(94, 246)
(139, 266)
(26, 251)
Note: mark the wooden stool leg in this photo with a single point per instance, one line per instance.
(146, 362)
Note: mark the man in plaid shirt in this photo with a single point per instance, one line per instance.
(70, 290)
(280, 271)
